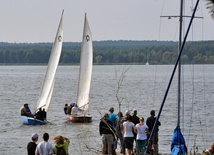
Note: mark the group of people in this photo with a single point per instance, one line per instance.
(127, 129)
(46, 148)
(71, 109)
(40, 115)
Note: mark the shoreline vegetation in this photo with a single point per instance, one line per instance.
(121, 52)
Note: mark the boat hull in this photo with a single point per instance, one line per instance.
(31, 121)
(79, 118)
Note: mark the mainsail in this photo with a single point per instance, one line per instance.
(48, 84)
(85, 71)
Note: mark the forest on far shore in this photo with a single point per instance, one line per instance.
(110, 52)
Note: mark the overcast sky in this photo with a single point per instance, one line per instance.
(37, 20)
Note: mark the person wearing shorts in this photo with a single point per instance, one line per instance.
(128, 128)
(107, 133)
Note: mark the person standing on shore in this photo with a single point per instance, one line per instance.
(61, 146)
(150, 123)
(113, 118)
(44, 147)
(107, 133)
(141, 130)
(135, 120)
(119, 127)
(31, 146)
(128, 128)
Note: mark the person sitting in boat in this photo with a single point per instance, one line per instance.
(69, 108)
(40, 115)
(25, 111)
(66, 109)
(44, 114)
(75, 110)
(28, 109)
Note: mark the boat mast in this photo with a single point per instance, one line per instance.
(179, 63)
(181, 16)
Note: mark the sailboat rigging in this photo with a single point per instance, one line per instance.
(85, 73)
(49, 80)
(178, 145)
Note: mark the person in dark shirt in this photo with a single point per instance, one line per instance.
(135, 120)
(66, 109)
(107, 133)
(150, 123)
(44, 114)
(41, 114)
(31, 146)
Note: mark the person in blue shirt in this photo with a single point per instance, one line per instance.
(113, 118)
(28, 109)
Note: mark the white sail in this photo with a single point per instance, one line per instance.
(48, 84)
(85, 72)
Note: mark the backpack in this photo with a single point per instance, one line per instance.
(60, 151)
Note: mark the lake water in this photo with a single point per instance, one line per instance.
(143, 88)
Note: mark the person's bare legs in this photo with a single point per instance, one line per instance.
(109, 150)
(128, 151)
(103, 149)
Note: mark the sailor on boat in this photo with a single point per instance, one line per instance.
(25, 111)
(66, 108)
(75, 110)
(41, 114)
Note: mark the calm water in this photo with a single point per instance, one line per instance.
(143, 88)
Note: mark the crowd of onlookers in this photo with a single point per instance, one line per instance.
(127, 130)
(130, 132)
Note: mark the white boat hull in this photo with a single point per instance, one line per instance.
(79, 118)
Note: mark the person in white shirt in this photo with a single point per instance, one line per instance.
(75, 110)
(141, 130)
(128, 135)
(44, 147)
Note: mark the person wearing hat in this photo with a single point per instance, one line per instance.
(107, 133)
(44, 147)
(127, 113)
(31, 146)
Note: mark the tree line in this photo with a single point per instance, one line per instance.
(111, 52)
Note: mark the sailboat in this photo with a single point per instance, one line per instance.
(85, 73)
(49, 80)
(178, 144)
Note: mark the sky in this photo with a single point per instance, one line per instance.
(32, 21)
